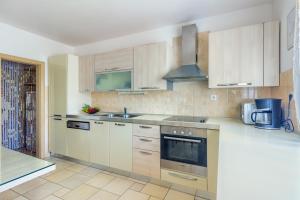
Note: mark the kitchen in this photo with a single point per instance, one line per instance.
(162, 117)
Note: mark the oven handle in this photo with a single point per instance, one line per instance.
(183, 176)
(182, 139)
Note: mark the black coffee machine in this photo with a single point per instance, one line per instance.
(268, 114)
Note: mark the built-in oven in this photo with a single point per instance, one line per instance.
(184, 149)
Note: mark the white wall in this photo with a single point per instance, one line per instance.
(241, 17)
(281, 9)
(17, 42)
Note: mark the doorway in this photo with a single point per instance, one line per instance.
(22, 105)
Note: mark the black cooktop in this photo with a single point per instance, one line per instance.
(186, 119)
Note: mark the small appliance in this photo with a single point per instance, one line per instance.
(246, 110)
(268, 114)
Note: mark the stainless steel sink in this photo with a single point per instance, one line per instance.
(118, 115)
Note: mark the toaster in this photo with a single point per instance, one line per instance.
(246, 111)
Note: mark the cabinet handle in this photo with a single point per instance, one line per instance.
(99, 123)
(145, 153)
(145, 140)
(183, 176)
(57, 115)
(57, 119)
(118, 124)
(149, 88)
(234, 84)
(146, 127)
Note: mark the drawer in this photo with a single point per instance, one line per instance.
(146, 163)
(146, 130)
(188, 180)
(146, 143)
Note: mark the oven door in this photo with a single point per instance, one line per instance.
(189, 150)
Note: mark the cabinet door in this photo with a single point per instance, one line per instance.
(86, 73)
(115, 60)
(57, 85)
(150, 65)
(78, 144)
(57, 135)
(120, 156)
(99, 143)
(236, 57)
(271, 54)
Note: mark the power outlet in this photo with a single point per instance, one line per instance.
(213, 97)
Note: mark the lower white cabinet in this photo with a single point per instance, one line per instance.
(78, 144)
(99, 142)
(57, 133)
(120, 151)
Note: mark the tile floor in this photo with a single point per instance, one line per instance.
(72, 181)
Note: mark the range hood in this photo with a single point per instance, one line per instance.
(189, 71)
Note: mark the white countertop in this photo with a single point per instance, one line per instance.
(257, 164)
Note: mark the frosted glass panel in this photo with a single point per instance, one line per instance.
(113, 81)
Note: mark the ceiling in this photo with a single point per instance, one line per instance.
(77, 22)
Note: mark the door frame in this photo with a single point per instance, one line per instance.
(40, 100)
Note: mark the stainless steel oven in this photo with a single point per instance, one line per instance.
(184, 149)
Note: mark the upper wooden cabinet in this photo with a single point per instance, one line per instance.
(150, 65)
(244, 57)
(115, 60)
(86, 73)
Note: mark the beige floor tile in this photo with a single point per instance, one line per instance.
(42, 191)
(100, 180)
(51, 197)
(74, 181)
(77, 167)
(59, 176)
(175, 195)
(118, 186)
(155, 190)
(25, 187)
(133, 195)
(83, 192)
(21, 198)
(103, 195)
(8, 195)
(61, 192)
(137, 187)
(153, 198)
(90, 171)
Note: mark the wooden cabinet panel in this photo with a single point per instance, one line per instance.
(143, 130)
(271, 53)
(57, 135)
(120, 153)
(57, 69)
(99, 142)
(212, 160)
(150, 65)
(146, 163)
(188, 180)
(86, 73)
(236, 57)
(115, 60)
(146, 143)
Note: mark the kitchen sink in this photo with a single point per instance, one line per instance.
(118, 115)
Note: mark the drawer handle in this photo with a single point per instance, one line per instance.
(57, 119)
(149, 88)
(98, 122)
(145, 153)
(118, 124)
(182, 176)
(145, 140)
(234, 84)
(146, 127)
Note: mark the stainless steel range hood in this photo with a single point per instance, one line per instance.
(189, 71)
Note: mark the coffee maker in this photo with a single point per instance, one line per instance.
(268, 114)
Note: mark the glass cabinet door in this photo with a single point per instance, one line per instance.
(110, 81)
